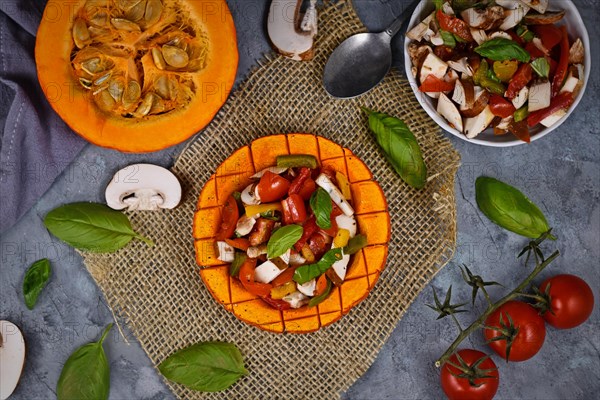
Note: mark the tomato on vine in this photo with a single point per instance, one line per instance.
(567, 302)
(515, 331)
(470, 375)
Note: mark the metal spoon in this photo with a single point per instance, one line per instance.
(360, 62)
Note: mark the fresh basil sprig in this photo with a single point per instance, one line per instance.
(307, 272)
(86, 374)
(507, 207)
(541, 66)
(500, 49)
(400, 147)
(283, 239)
(35, 280)
(92, 227)
(206, 367)
(320, 204)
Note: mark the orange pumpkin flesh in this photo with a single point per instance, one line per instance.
(206, 87)
(366, 265)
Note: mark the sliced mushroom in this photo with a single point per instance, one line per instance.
(143, 187)
(543, 19)
(486, 18)
(225, 252)
(500, 34)
(461, 65)
(576, 52)
(513, 16)
(509, 4)
(553, 118)
(482, 98)
(417, 54)
(521, 97)
(275, 170)
(433, 65)
(474, 126)
(296, 259)
(12, 357)
(570, 84)
(448, 110)
(296, 299)
(420, 29)
(464, 93)
(255, 251)
(266, 272)
(250, 196)
(244, 225)
(339, 269)
(540, 94)
(504, 123)
(538, 5)
(479, 35)
(307, 288)
(538, 43)
(290, 31)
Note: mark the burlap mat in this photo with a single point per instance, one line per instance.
(159, 294)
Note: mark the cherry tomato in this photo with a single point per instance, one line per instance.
(299, 180)
(246, 277)
(454, 25)
(309, 228)
(571, 301)
(308, 189)
(550, 35)
(434, 84)
(276, 303)
(528, 333)
(318, 244)
(460, 388)
(501, 107)
(294, 210)
(519, 80)
(229, 218)
(272, 187)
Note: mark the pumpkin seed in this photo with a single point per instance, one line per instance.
(161, 85)
(174, 56)
(92, 66)
(104, 100)
(100, 19)
(158, 106)
(145, 106)
(158, 58)
(96, 32)
(102, 79)
(125, 24)
(86, 83)
(136, 12)
(154, 9)
(132, 94)
(116, 87)
(81, 35)
(127, 4)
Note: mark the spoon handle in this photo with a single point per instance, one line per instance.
(397, 24)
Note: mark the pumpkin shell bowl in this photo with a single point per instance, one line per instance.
(210, 84)
(371, 213)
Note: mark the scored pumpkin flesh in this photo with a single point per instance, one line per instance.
(137, 58)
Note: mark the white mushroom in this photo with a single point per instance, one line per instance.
(12, 357)
(418, 32)
(276, 170)
(479, 35)
(461, 66)
(437, 39)
(474, 126)
(290, 31)
(500, 34)
(538, 5)
(447, 8)
(267, 271)
(226, 253)
(485, 18)
(244, 225)
(504, 123)
(540, 94)
(296, 259)
(335, 194)
(296, 299)
(143, 187)
(509, 4)
(307, 288)
(250, 196)
(464, 93)
(255, 251)
(538, 43)
(448, 110)
(521, 97)
(513, 16)
(553, 118)
(576, 52)
(433, 65)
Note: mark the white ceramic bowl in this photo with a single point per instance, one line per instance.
(576, 29)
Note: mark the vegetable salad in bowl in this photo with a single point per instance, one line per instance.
(506, 65)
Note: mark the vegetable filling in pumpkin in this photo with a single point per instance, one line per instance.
(137, 58)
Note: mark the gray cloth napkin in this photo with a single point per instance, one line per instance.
(36, 145)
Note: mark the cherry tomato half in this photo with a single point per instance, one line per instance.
(229, 218)
(272, 187)
(454, 25)
(501, 107)
(460, 388)
(519, 80)
(530, 335)
(571, 301)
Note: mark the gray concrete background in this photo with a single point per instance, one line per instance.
(561, 173)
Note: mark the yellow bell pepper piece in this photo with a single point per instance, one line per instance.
(344, 185)
(280, 292)
(251, 211)
(342, 237)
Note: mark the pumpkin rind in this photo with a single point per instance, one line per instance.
(52, 53)
(366, 265)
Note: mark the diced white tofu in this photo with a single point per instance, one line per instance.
(540, 94)
(433, 65)
(266, 272)
(346, 222)
(474, 126)
(244, 225)
(513, 16)
(448, 110)
(461, 66)
(296, 299)
(285, 257)
(250, 195)
(521, 97)
(307, 288)
(538, 5)
(553, 118)
(335, 194)
(479, 35)
(570, 84)
(275, 170)
(340, 267)
(226, 252)
(500, 34)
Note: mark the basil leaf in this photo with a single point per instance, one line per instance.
(507, 207)
(448, 38)
(307, 272)
(320, 298)
(206, 367)
(320, 204)
(35, 280)
(400, 147)
(238, 259)
(438, 4)
(541, 66)
(500, 49)
(355, 244)
(91, 226)
(283, 239)
(86, 374)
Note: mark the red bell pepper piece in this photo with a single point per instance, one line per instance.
(563, 63)
(516, 37)
(520, 130)
(310, 227)
(299, 180)
(239, 243)
(519, 80)
(294, 211)
(284, 277)
(550, 35)
(501, 107)
(276, 303)
(533, 51)
(454, 25)
(562, 100)
(434, 84)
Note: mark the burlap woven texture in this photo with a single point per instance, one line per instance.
(159, 294)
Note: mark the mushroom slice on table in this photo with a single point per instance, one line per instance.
(12, 357)
(291, 31)
(143, 187)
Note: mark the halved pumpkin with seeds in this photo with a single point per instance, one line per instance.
(136, 75)
(264, 304)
